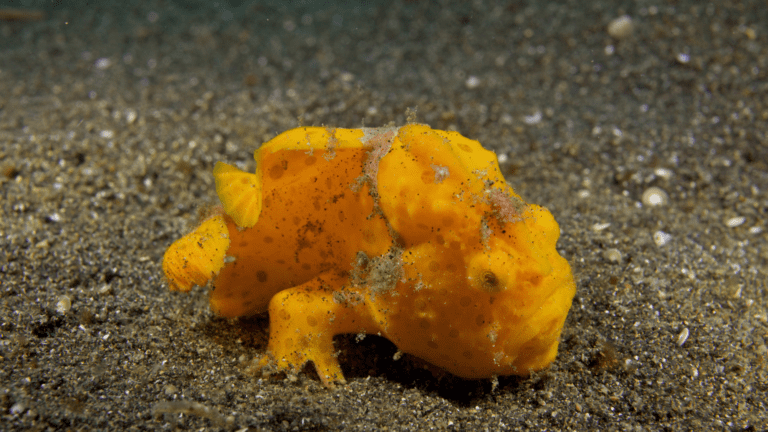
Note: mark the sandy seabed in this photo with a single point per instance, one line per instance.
(647, 142)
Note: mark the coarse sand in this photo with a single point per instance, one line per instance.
(641, 125)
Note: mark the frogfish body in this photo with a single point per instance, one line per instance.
(406, 232)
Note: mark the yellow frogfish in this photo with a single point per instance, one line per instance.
(405, 232)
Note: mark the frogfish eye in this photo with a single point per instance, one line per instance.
(489, 271)
(490, 282)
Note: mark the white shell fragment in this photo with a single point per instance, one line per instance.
(661, 238)
(612, 255)
(735, 221)
(64, 304)
(683, 336)
(533, 119)
(664, 173)
(621, 27)
(654, 196)
(102, 63)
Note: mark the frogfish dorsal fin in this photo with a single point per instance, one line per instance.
(240, 194)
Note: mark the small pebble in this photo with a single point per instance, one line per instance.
(735, 221)
(18, 408)
(103, 63)
(613, 255)
(621, 27)
(130, 115)
(683, 58)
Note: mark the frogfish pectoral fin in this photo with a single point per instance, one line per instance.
(304, 319)
(198, 256)
(239, 192)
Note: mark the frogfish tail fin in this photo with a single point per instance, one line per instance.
(198, 256)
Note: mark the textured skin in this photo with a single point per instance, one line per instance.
(409, 232)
